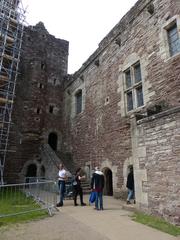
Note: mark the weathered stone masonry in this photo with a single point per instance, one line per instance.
(39, 88)
(104, 132)
(156, 162)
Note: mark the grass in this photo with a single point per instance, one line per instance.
(157, 223)
(16, 202)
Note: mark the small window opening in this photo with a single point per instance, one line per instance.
(78, 102)
(40, 85)
(51, 109)
(107, 100)
(43, 66)
(37, 119)
(38, 110)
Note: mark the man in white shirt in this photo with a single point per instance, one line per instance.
(62, 176)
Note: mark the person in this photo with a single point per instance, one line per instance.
(97, 185)
(77, 189)
(62, 176)
(130, 185)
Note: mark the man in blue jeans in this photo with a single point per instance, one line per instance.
(62, 176)
(97, 185)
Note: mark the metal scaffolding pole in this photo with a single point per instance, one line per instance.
(12, 16)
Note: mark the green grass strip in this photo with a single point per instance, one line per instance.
(16, 202)
(156, 223)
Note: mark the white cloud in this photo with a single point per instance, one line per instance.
(81, 22)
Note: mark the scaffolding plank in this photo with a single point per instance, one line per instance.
(4, 100)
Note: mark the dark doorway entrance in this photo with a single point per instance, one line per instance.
(108, 190)
(31, 173)
(52, 140)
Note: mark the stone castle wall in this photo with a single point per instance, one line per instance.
(104, 133)
(156, 163)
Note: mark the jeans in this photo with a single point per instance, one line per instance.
(99, 200)
(130, 194)
(62, 189)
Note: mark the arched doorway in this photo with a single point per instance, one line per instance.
(108, 188)
(31, 172)
(52, 140)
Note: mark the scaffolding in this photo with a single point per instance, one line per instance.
(12, 16)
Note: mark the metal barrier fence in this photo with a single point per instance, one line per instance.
(27, 197)
(68, 190)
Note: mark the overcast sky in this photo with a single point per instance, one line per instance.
(84, 23)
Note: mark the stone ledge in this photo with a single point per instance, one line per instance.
(159, 115)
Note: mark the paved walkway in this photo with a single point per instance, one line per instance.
(85, 223)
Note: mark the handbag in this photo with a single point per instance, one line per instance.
(74, 182)
(92, 197)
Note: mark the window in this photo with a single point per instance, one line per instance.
(128, 78)
(38, 110)
(37, 119)
(173, 39)
(78, 97)
(43, 66)
(133, 87)
(137, 73)
(51, 109)
(129, 101)
(40, 85)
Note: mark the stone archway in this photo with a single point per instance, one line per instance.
(31, 172)
(53, 140)
(108, 188)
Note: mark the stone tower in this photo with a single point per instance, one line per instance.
(37, 114)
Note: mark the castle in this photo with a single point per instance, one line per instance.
(121, 108)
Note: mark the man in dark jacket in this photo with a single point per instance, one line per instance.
(97, 185)
(130, 185)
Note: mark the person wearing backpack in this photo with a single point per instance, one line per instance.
(77, 189)
(130, 185)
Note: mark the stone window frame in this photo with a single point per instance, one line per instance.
(43, 65)
(133, 87)
(38, 110)
(40, 85)
(172, 48)
(78, 85)
(78, 104)
(51, 109)
(169, 23)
